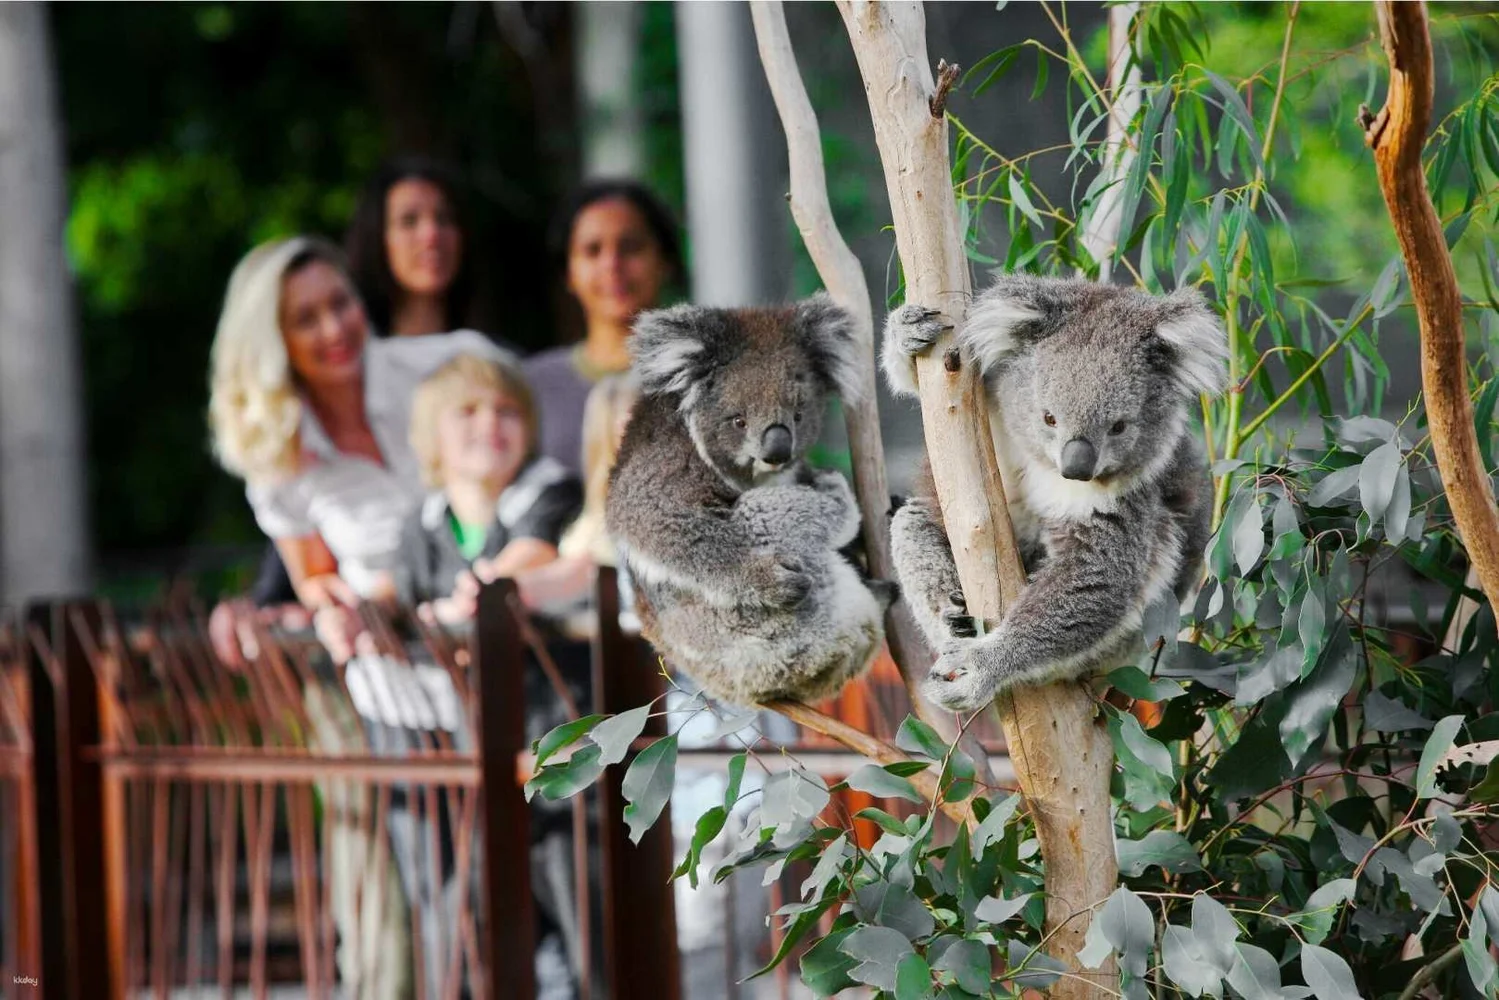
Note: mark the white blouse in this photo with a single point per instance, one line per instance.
(355, 505)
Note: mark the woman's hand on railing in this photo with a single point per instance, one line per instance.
(326, 590)
(339, 628)
(232, 627)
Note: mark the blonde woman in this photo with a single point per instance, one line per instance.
(565, 583)
(313, 413)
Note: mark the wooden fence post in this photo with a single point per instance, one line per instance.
(509, 936)
(640, 926)
(69, 810)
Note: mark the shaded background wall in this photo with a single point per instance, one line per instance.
(192, 131)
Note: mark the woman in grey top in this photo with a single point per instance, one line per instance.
(618, 247)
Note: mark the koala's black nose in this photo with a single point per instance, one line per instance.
(775, 445)
(1078, 459)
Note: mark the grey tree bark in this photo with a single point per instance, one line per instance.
(44, 543)
(735, 163)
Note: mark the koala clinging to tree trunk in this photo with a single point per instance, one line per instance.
(1090, 388)
(731, 539)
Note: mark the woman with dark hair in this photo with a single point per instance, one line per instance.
(410, 250)
(617, 246)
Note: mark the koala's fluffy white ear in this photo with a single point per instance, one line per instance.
(994, 320)
(1201, 344)
(668, 349)
(828, 332)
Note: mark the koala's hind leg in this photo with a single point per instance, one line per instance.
(928, 577)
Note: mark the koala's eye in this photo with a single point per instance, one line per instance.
(797, 417)
(739, 422)
(1051, 421)
(1118, 427)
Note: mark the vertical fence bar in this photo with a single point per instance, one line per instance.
(640, 936)
(508, 932)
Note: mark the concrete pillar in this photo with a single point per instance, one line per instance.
(44, 542)
(737, 221)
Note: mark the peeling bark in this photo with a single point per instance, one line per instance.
(1397, 134)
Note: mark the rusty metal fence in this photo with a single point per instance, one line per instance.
(172, 827)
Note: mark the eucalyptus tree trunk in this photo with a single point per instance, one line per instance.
(1060, 747)
(44, 546)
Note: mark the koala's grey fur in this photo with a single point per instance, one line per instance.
(738, 577)
(1119, 370)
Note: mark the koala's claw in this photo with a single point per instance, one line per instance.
(960, 624)
(789, 584)
(916, 328)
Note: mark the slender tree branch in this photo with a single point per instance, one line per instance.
(1430, 971)
(1397, 135)
(876, 750)
(843, 277)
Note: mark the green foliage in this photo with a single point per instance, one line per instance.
(1297, 814)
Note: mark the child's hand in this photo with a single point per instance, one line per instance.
(460, 606)
(483, 572)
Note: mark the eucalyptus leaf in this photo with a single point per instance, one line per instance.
(825, 967)
(913, 979)
(1186, 966)
(993, 826)
(709, 825)
(878, 951)
(915, 736)
(1134, 682)
(968, 962)
(647, 785)
(1215, 931)
(875, 780)
(1486, 792)
(895, 906)
(1248, 531)
(1436, 748)
(1327, 974)
(1333, 485)
(1310, 704)
(996, 910)
(1038, 970)
(1386, 715)
(558, 781)
(615, 734)
(1129, 928)
(1165, 848)
(564, 735)
(1376, 479)
(827, 867)
(1321, 909)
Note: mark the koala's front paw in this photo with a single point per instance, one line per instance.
(958, 680)
(916, 328)
(781, 580)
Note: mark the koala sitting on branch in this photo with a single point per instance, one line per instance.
(731, 539)
(1090, 388)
